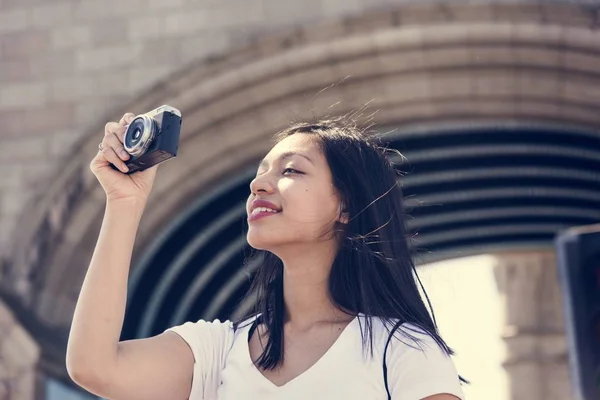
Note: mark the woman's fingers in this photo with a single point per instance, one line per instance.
(110, 156)
(114, 152)
(115, 128)
(126, 119)
(114, 141)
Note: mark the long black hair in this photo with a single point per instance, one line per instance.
(373, 272)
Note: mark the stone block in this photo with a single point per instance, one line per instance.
(37, 121)
(162, 4)
(105, 57)
(24, 385)
(53, 14)
(72, 88)
(25, 44)
(407, 88)
(518, 13)
(343, 7)
(494, 83)
(542, 109)
(7, 233)
(14, 70)
(573, 60)
(538, 84)
(447, 57)
(19, 149)
(401, 62)
(93, 112)
(11, 202)
(203, 46)
(372, 22)
(585, 40)
(486, 56)
(285, 13)
(471, 12)
(37, 172)
(19, 350)
(105, 10)
(14, 20)
(146, 27)
(128, 8)
(320, 31)
(557, 381)
(143, 77)
(547, 35)
(61, 144)
(7, 319)
(111, 32)
(422, 13)
(582, 91)
(53, 65)
(71, 37)
(25, 94)
(536, 56)
(163, 51)
(92, 11)
(183, 23)
(568, 14)
(451, 85)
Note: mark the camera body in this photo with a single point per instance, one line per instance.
(152, 138)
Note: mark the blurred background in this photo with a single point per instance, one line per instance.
(495, 104)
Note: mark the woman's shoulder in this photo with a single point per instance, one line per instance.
(418, 365)
(201, 330)
(215, 326)
(402, 335)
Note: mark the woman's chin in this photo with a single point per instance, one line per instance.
(259, 242)
(266, 240)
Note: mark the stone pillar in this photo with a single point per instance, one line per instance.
(19, 355)
(536, 360)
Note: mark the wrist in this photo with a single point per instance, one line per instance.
(126, 202)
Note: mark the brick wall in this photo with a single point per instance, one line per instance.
(66, 64)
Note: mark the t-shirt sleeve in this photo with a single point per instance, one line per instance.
(210, 343)
(420, 369)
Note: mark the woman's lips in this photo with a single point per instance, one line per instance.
(261, 214)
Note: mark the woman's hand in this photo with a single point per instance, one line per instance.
(118, 185)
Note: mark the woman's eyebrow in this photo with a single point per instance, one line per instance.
(288, 154)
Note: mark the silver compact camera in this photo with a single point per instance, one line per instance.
(152, 138)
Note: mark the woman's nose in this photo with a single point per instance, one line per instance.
(261, 184)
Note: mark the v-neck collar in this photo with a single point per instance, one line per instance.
(311, 369)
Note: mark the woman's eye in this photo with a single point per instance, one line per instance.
(291, 170)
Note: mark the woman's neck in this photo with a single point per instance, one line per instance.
(306, 286)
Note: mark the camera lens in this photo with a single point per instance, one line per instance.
(139, 135)
(134, 132)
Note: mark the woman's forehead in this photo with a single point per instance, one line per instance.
(297, 143)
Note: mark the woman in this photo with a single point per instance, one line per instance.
(338, 312)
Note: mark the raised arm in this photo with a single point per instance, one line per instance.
(160, 367)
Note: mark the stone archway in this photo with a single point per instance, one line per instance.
(432, 65)
(18, 359)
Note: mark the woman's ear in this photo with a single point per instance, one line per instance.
(344, 216)
(344, 219)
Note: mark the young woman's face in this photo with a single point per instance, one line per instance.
(295, 177)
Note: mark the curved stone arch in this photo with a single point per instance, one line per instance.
(431, 64)
(19, 360)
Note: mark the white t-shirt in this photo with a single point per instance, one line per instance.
(223, 368)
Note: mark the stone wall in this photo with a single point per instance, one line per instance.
(65, 65)
(19, 356)
(534, 331)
